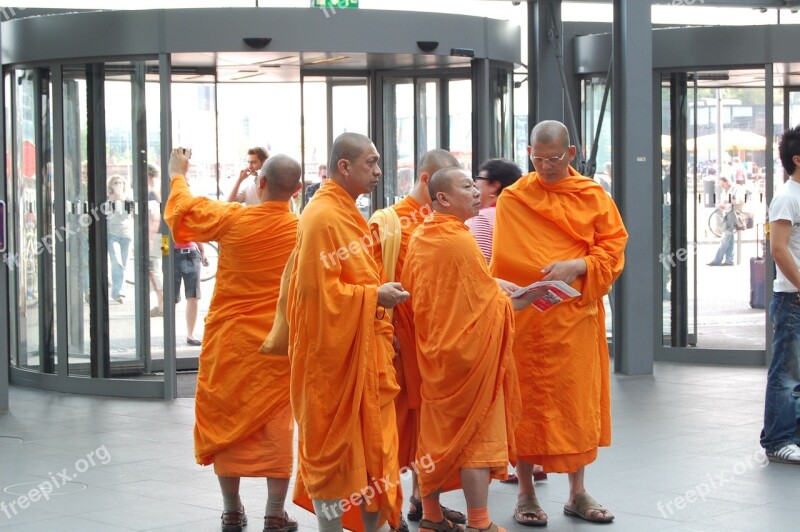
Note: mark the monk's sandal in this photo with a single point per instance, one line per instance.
(279, 524)
(233, 520)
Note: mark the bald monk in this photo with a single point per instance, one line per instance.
(554, 224)
(244, 422)
(464, 331)
(410, 212)
(340, 345)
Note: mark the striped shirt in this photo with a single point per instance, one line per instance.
(482, 226)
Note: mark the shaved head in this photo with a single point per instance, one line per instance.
(434, 160)
(550, 132)
(347, 146)
(444, 180)
(281, 174)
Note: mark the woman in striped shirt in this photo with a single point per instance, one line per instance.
(494, 175)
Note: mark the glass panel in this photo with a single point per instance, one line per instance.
(460, 98)
(736, 150)
(27, 274)
(244, 123)
(156, 227)
(315, 132)
(78, 220)
(119, 218)
(11, 257)
(666, 225)
(429, 136)
(398, 141)
(502, 83)
(723, 173)
(350, 113)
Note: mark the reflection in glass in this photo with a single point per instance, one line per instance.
(27, 273)
(398, 142)
(76, 196)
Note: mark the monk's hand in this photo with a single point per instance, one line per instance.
(507, 286)
(179, 162)
(391, 295)
(565, 270)
(526, 299)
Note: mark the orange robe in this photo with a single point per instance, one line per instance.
(562, 353)
(470, 391)
(407, 402)
(342, 380)
(243, 415)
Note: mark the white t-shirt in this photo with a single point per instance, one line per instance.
(786, 206)
(248, 194)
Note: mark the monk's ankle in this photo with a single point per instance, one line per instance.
(432, 510)
(478, 517)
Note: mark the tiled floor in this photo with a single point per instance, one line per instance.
(685, 458)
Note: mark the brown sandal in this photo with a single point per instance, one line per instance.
(279, 524)
(586, 508)
(233, 520)
(415, 512)
(442, 526)
(492, 528)
(529, 513)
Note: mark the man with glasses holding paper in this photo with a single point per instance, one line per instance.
(556, 225)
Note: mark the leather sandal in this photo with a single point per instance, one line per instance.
(528, 512)
(442, 526)
(491, 528)
(415, 512)
(588, 509)
(279, 524)
(233, 520)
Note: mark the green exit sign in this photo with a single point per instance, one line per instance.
(341, 4)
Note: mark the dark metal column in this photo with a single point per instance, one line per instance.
(635, 319)
(679, 320)
(62, 281)
(141, 236)
(545, 94)
(98, 235)
(170, 364)
(481, 112)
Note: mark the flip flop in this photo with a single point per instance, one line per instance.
(585, 503)
(527, 509)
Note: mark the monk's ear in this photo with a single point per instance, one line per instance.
(342, 166)
(572, 152)
(425, 177)
(441, 199)
(530, 149)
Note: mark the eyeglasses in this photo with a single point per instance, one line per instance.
(551, 160)
(480, 178)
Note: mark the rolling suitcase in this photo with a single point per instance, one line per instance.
(758, 281)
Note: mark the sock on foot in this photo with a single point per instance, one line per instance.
(478, 517)
(231, 502)
(432, 510)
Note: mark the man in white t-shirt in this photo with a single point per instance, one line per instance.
(779, 438)
(731, 201)
(248, 194)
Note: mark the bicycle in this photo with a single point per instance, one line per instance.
(716, 221)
